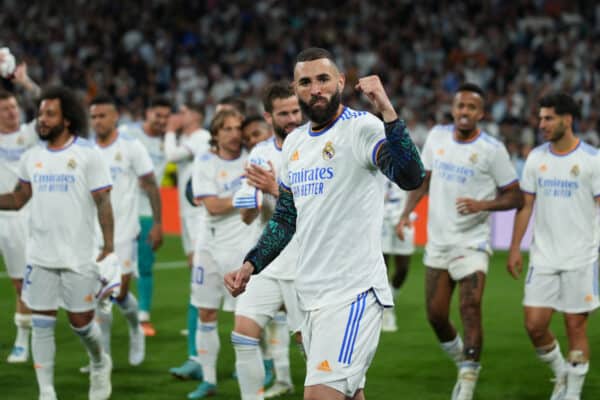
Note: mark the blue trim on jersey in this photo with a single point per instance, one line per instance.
(375, 150)
(286, 187)
(275, 145)
(587, 148)
(357, 309)
(46, 322)
(24, 181)
(236, 338)
(525, 191)
(319, 133)
(597, 195)
(201, 196)
(206, 328)
(509, 183)
(101, 188)
(529, 275)
(62, 148)
(564, 154)
(471, 141)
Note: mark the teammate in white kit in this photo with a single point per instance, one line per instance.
(15, 139)
(131, 169)
(150, 132)
(192, 140)
(68, 184)
(215, 178)
(392, 246)
(331, 198)
(269, 291)
(255, 129)
(469, 174)
(562, 179)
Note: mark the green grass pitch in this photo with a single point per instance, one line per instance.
(408, 365)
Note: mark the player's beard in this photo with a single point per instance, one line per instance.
(558, 133)
(321, 116)
(53, 132)
(283, 131)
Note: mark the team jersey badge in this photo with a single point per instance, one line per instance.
(20, 141)
(118, 157)
(473, 158)
(328, 151)
(72, 164)
(575, 170)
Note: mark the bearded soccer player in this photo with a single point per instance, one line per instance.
(68, 184)
(341, 278)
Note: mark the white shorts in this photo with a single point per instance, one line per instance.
(51, 288)
(459, 262)
(391, 243)
(127, 253)
(191, 229)
(208, 288)
(264, 296)
(340, 343)
(570, 291)
(13, 237)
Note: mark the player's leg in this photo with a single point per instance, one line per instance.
(542, 298)
(145, 282)
(579, 290)
(22, 319)
(248, 358)
(41, 294)
(78, 290)
(277, 338)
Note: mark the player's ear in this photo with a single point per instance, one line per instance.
(268, 117)
(341, 82)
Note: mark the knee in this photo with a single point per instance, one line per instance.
(470, 306)
(535, 329)
(435, 316)
(207, 315)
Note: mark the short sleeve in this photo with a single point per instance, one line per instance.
(141, 161)
(596, 176)
(199, 142)
(287, 152)
(502, 169)
(427, 154)
(528, 180)
(24, 173)
(203, 176)
(368, 136)
(97, 172)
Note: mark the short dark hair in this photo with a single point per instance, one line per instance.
(103, 99)
(274, 91)
(160, 101)
(196, 107)
(314, 53)
(562, 103)
(471, 87)
(5, 94)
(253, 118)
(236, 102)
(71, 106)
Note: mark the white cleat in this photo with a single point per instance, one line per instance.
(389, 321)
(100, 387)
(18, 355)
(278, 389)
(465, 384)
(85, 369)
(560, 388)
(47, 393)
(137, 346)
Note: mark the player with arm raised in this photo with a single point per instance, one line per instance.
(561, 178)
(331, 198)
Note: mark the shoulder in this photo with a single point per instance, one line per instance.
(126, 136)
(84, 143)
(206, 157)
(350, 114)
(588, 149)
(540, 150)
(490, 140)
(441, 130)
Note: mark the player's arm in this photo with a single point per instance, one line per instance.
(105, 218)
(22, 78)
(16, 199)
(515, 262)
(508, 197)
(249, 215)
(149, 185)
(263, 180)
(413, 198)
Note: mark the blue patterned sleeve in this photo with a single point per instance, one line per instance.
(277, 234)
(398, 157)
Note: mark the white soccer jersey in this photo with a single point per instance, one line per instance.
(196, 143)
(394, 201)
(213, 176)
(284, 266)
(566, 233)
(154, 145)
(339, 199)
(474, 169)
(128, 160)
(63, 212)
(12, 146)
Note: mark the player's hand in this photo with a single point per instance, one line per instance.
(514, 265)
(372, 87)
(20, 75)
(105, 251)
(262, 179)
(403, 224)
(465, 206)
(174, 123)
(155, 236)
(236, 281)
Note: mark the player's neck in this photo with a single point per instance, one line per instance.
(466, 136)
(188, 130)
(278, 141)
(6, 130)
(228, 155)
(565, 144)
(148, 131)
(106, 140)
(317, 127)
(61, 141)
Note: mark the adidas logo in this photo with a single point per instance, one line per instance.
(324, 366)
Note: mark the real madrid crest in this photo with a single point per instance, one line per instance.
(575, 170)
(118, 156)
(20, 141)
(72, 164)
(473, 158)
(328, 151)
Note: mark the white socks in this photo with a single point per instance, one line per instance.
(91, 338)
(208, 345)
(577, 368)
(23, 324)
(129, 308)
(43, 349)
(553, 358)
(454, 349)
(104, 318)
(249, 366)
(278, 341)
